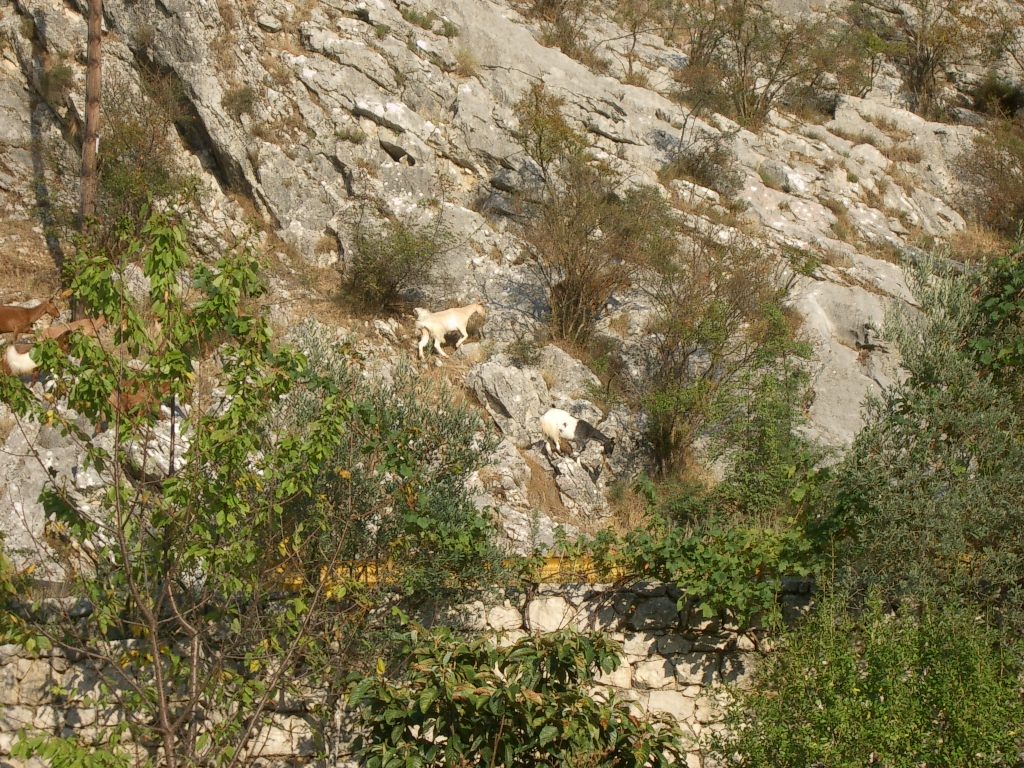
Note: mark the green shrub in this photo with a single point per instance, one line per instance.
(302, 501)
(563, 23)
(524, 351)
(728, 569)
(928, 498)
(543, 130)
(998, 97)
(925, 39)
(586, 237)
(874, 687)
(418, 18)
(388, 260)
(995, 333)
(136, 167)
(744, 57)
(587, 241)
(56, 81)
(456, 702)
(718, 331)
(183, 561)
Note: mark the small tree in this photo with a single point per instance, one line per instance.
(587, 242)
(458, 702)
(644, 17)
(586, 237)
(744, 58)
(221, 564)
(137, 169)
(717, 329)
(991, 170)
(563, 23)
(543, 130)
(925, 38)
(995, 332)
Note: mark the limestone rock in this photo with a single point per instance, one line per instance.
(548, 614)
(654, 673)
(621, 677)
(504, 617)
(671, 703)
(579, 488)
(515, 398)
(655, 613)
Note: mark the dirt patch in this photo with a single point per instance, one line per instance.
(542, 493)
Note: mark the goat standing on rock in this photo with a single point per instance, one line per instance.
(558, 425)
(436, 325)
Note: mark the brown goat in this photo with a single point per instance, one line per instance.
(136, 399)
(14, 319)
(88, 326)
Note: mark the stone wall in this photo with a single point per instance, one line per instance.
(673, 663)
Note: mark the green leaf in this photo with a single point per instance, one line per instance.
(547, 734)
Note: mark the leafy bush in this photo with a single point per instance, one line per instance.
(744, 57)
(771, 467)
(563, 24)
(407, 455)
(524, 351)
(731, 570)
(471, 703)
(902, 689)
(998, 97)
(643, 17)
(136, 168)
(587, 241)
(928, 38)
(586, 237)
(543, 130)
(388, 260)
(995, 334)
(56, 80)
(928, 498)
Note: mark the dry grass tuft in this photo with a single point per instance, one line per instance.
(7, 424)
(978, 244)
(630, 510)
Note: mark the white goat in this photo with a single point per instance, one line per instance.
(558, 425)
(436, 325)
(18, 361)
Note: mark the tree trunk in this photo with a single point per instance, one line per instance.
(92, 114)
(90, 142)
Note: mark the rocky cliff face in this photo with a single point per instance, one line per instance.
(311, 110)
